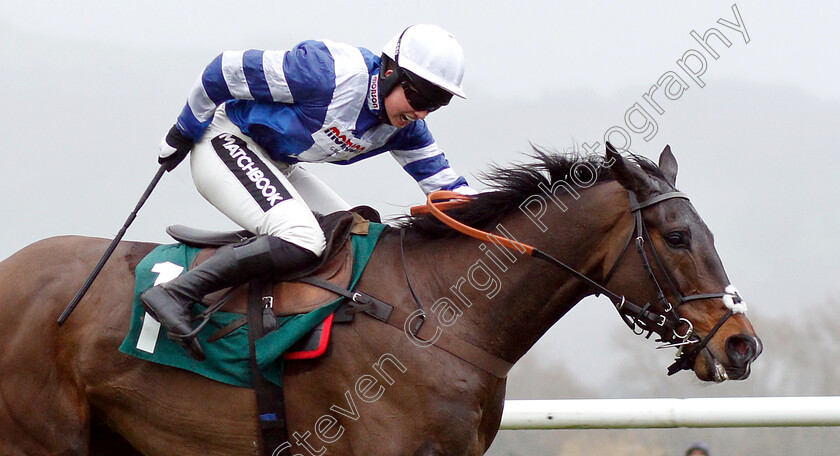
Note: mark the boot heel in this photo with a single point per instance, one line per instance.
(190, 344)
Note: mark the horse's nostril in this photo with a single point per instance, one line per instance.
(741, 349)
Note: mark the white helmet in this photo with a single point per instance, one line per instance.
(431, 53)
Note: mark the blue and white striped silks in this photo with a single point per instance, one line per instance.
(318, 102)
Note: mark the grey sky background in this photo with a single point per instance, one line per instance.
(90, 88)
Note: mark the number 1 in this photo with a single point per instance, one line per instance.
(151, 328)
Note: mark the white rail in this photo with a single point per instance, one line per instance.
(672, 413)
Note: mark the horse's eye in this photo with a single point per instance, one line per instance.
(678, 239)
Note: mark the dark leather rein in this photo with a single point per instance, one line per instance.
(639, 318)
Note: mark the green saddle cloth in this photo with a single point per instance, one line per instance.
(227, 358)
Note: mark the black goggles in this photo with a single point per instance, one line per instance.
(423, 95)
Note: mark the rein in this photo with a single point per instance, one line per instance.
(635, 316)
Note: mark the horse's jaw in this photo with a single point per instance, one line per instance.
(709, 368)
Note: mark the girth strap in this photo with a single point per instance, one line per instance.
(426, 333)
(271, 404)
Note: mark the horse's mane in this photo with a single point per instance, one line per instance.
(508, 187)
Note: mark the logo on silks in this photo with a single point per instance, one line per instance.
(373, 95)
(250, 170)
(344, 141)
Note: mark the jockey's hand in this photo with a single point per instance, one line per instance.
(174, 148)
(465, 190)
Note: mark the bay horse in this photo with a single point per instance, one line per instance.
(378, 391)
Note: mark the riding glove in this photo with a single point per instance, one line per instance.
(174, 148)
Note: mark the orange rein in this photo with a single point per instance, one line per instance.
(435, 205)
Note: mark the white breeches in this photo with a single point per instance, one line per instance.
(262, 196)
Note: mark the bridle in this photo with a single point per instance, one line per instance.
(640, 319)
(669, 320)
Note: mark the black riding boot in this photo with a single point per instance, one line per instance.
(263, 256)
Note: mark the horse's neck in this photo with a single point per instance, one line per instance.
(503, 301)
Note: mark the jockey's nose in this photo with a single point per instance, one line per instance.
(421, 114)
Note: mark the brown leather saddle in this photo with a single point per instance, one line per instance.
(286, 296)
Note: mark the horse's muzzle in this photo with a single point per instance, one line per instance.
(742, 350)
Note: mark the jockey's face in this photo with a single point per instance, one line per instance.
(399, 111)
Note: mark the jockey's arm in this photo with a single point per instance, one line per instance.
(430, 168)
(264, 76)
(301, 74)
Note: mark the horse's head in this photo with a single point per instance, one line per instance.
(671, 271)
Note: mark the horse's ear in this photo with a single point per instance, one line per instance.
(668, 165)
(626, 173)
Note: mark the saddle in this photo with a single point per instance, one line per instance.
(286, 296)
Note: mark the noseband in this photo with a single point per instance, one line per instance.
(640, 319)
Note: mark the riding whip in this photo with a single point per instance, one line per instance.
(81, 293)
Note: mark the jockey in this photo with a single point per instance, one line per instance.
(253, 116)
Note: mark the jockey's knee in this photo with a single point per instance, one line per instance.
(309, 238)
(293, 222)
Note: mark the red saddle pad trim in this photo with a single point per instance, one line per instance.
(326, 330)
